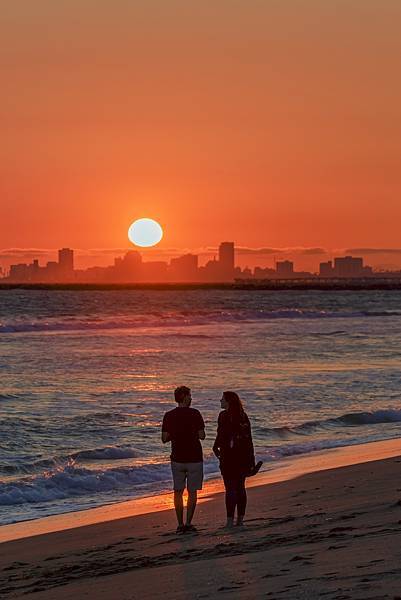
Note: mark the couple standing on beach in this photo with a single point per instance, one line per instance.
(184, 428)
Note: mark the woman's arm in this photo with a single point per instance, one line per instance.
(218, 440)
(251, 448)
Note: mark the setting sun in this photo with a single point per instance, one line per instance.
(145, 233)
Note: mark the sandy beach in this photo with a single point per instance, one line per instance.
(334, 533)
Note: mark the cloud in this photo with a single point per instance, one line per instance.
(270, 251)
(25, 253)
(313, 251)
(258, 251)
(373, 250)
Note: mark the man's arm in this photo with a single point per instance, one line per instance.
(201, 427)
(166, 437)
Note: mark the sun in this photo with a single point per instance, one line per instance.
(145, 233)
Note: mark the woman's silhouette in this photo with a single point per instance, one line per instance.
(234, 449)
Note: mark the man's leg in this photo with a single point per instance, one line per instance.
(179, 486)
(194, 483)
(179, 506)
(191, 505)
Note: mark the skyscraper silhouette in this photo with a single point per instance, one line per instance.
(66, 264)
(227, 260)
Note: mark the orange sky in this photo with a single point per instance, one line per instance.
(274, 123)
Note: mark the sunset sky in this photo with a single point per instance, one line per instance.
(273, 123)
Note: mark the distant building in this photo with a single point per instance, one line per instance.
(348, 266)
(211, 271)
(227, 255)
(52, 271)
(66, 264)
(227, 261)
(154, 271)
(20, 272)
(127, 269)
(326, 269)
(285, 268)
(184, 268)
(264, 273)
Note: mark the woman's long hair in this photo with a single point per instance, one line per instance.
(235, 408)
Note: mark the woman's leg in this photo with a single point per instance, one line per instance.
(231, 498)
(241, 500)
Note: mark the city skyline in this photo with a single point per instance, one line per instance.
(306, 259)
(223, 268)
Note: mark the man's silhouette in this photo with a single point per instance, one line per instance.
(184, 428)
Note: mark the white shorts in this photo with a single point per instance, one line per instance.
(187, 475)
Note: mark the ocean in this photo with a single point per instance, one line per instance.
(86, 377)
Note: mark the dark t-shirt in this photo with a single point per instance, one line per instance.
(183, 424)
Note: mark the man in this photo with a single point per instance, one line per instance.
(184, 428)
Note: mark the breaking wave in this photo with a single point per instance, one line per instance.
(70, 480)
(181, 319)
(349, 419)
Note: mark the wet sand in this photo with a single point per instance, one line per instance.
(334, 533)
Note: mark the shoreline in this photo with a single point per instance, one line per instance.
(332, 533)
(287, 468)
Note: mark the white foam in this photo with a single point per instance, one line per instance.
(182, 319)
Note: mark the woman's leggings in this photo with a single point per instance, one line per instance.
(235, 495)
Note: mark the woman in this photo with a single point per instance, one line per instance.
(234, 449)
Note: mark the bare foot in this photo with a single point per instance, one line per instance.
(229, 524)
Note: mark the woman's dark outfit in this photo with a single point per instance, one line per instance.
(234, 448)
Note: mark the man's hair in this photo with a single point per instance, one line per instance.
(181, 392)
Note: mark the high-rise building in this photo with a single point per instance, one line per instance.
(227, 260)
(227, 255)
(66, 263)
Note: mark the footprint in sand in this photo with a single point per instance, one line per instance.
(15, 565)
(298, 557)
(341, 529)
(229, 588)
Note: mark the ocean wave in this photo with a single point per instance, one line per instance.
(8, 397)
(72, 481)
(99, 486)
(181, 319)
(278, 452)
(100, 417)
(107, 453)
(348, 419)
